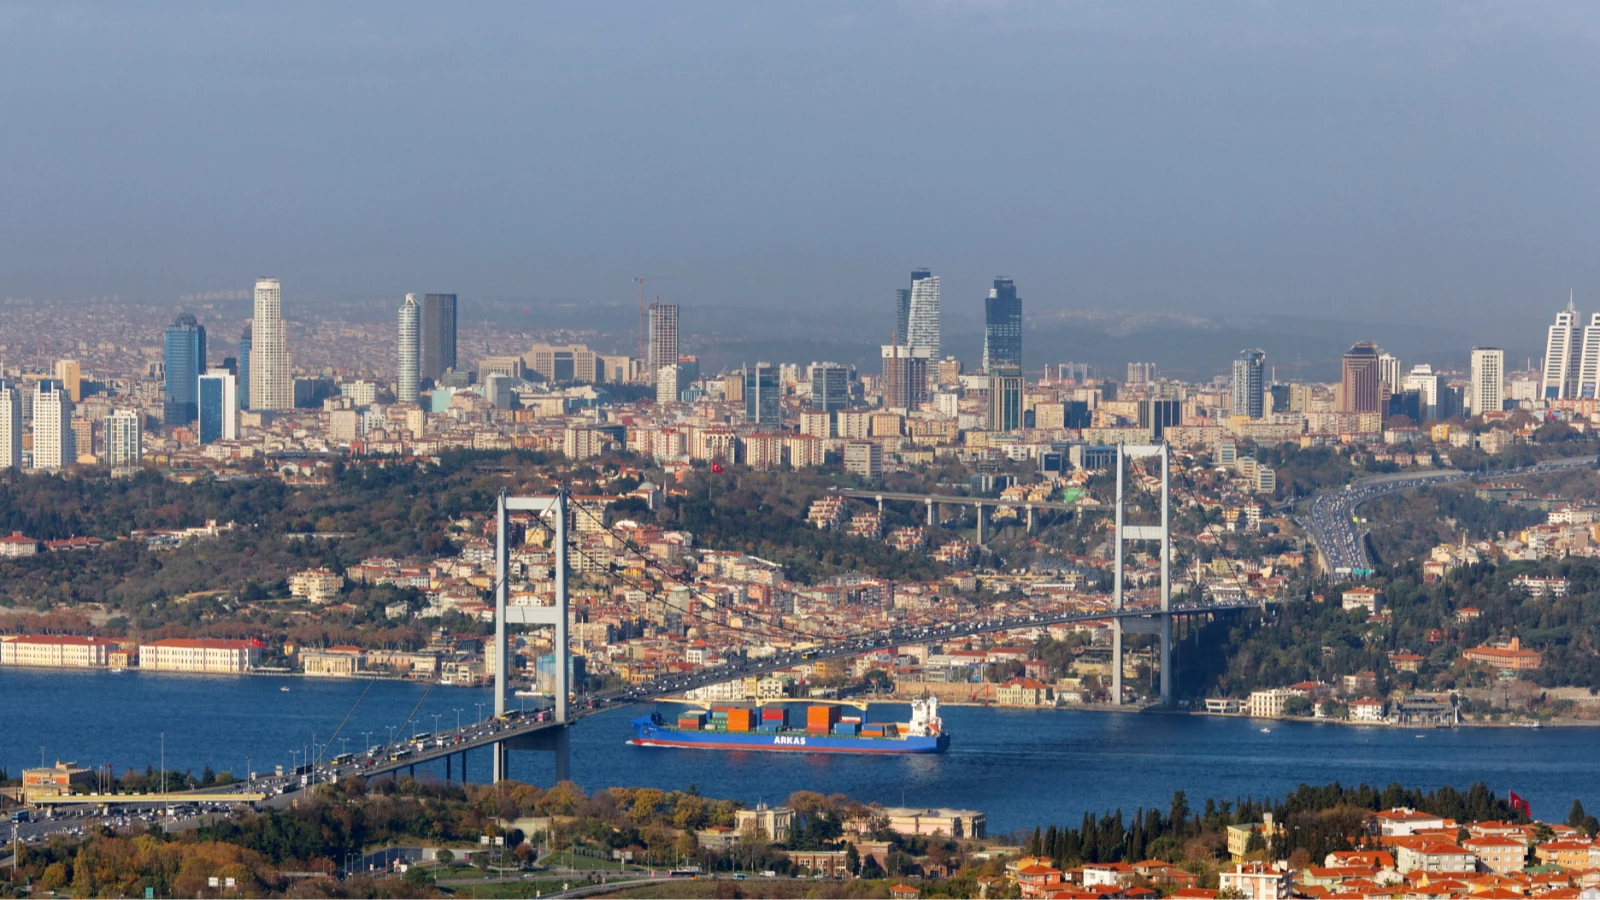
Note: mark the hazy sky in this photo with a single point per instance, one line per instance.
(1405, 160)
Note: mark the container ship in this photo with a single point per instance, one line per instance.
(780, 726)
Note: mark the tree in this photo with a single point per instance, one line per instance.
(445, 857)
(852, 859)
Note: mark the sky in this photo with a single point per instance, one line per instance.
(1409, 162)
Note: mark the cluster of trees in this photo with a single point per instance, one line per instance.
(1315, 821)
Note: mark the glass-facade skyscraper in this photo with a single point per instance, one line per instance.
(1249, 386)
(762, 394)
(219, 407)
(245, 341)
(185, 363)
(902, 306)
(408, 372)
(1002, 326)
(438, 335)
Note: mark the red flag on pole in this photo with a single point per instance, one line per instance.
(1521, 805)
(716, 468)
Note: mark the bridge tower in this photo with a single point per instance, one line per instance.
(554, 739)
(1162, 625)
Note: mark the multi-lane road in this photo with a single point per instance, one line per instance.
(1332, 524)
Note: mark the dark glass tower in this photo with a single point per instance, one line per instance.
(438, 335)
(762, 395)
(185, 363)
(245, 341)
(1002, 326)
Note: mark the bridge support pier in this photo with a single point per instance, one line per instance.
(983, 524)
(933, 514)
(1033, 520)
(1162, 533)
(880, 505)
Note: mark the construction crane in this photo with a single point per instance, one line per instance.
(644, 357)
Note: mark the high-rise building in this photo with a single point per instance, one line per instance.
(905, 376)
(1563, 356)
(1360, 379)
(408, 371)
(68, 374)
(902, 306)
(124, 443)
(763, 395)
(1389, 373)
(219, 407)
(1002, 326)
(830, 386)
(185, 362)
(438, 335)
(245, 342)
(922, 319)
(1430, 388)
(1249, 384)
(1488, 380)
(271, 380)
(1589, 359)
(1157, 415)
(10, 426)
(667, 383)
(663, 347)
(54, 444)
(566, 363)
(1140, 374)
(1005, 398)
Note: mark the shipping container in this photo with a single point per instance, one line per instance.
(849, 728)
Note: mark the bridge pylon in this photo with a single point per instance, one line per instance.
(555, 616)
(1163, 533)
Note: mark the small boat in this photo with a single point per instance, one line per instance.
(1266, 731)
(285, 688)
(117, 670)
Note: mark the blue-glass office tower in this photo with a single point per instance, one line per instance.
(246, 340)
(762, 393)
(1002, 326)
(219, 408)
(186, 362)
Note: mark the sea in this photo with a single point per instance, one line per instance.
(1021, 768)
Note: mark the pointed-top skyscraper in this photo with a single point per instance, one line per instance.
(408, 371)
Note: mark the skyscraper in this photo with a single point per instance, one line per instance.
(246, 339)
(219, 407)
(663, 347)
(1140, 374)
(438, 334)
(902, 306)
(186, 362)
(763, 395)
(68, 374)
(1005, 398)
(1360, 382)
(1002, 326)
(1488, 380)
(830, 386)
(1589, 361)
(271, 386)
(408, 371)
(1249, 384)
(10, 426)
(1430, 388)
(1563, 356)
(1389, 373)
(54, 444)
(124, 444)
(922, 321)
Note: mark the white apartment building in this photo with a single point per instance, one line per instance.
(203, 655)
(316, 585)
(124, 441)
(1562, 356)
(10, 426)
(54, 444)
(1488, 380)
(271, 386)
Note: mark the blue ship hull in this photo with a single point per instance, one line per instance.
(647, 732)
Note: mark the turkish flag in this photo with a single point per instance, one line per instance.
(716, 468)
(1521, 805)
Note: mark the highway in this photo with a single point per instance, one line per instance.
(1341, 541)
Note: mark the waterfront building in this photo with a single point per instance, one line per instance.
(408, 369)
(203, 655)
(1563, 356)
(63, 651)
(185, 359)
(124, 439)
(438, 335)
(54, 443)
(219, 407)
(1002, 326)
(1488, 380)
(773, 823)
(271, 384)
(10, 426)
(1249, 385)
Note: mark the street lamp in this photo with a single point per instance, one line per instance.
(391, 736)
(458, 718)
(480, 713)
(436, 724)
(366, 736)
(249, 777)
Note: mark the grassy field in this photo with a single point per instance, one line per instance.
(562, 859)
(724, 889)
(509, 889)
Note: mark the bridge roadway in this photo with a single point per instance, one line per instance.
(488, 732)
(955, 500)
(1330, 519)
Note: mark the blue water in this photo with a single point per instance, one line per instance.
(1021, 767)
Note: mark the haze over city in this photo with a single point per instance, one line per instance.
(1372, 162)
